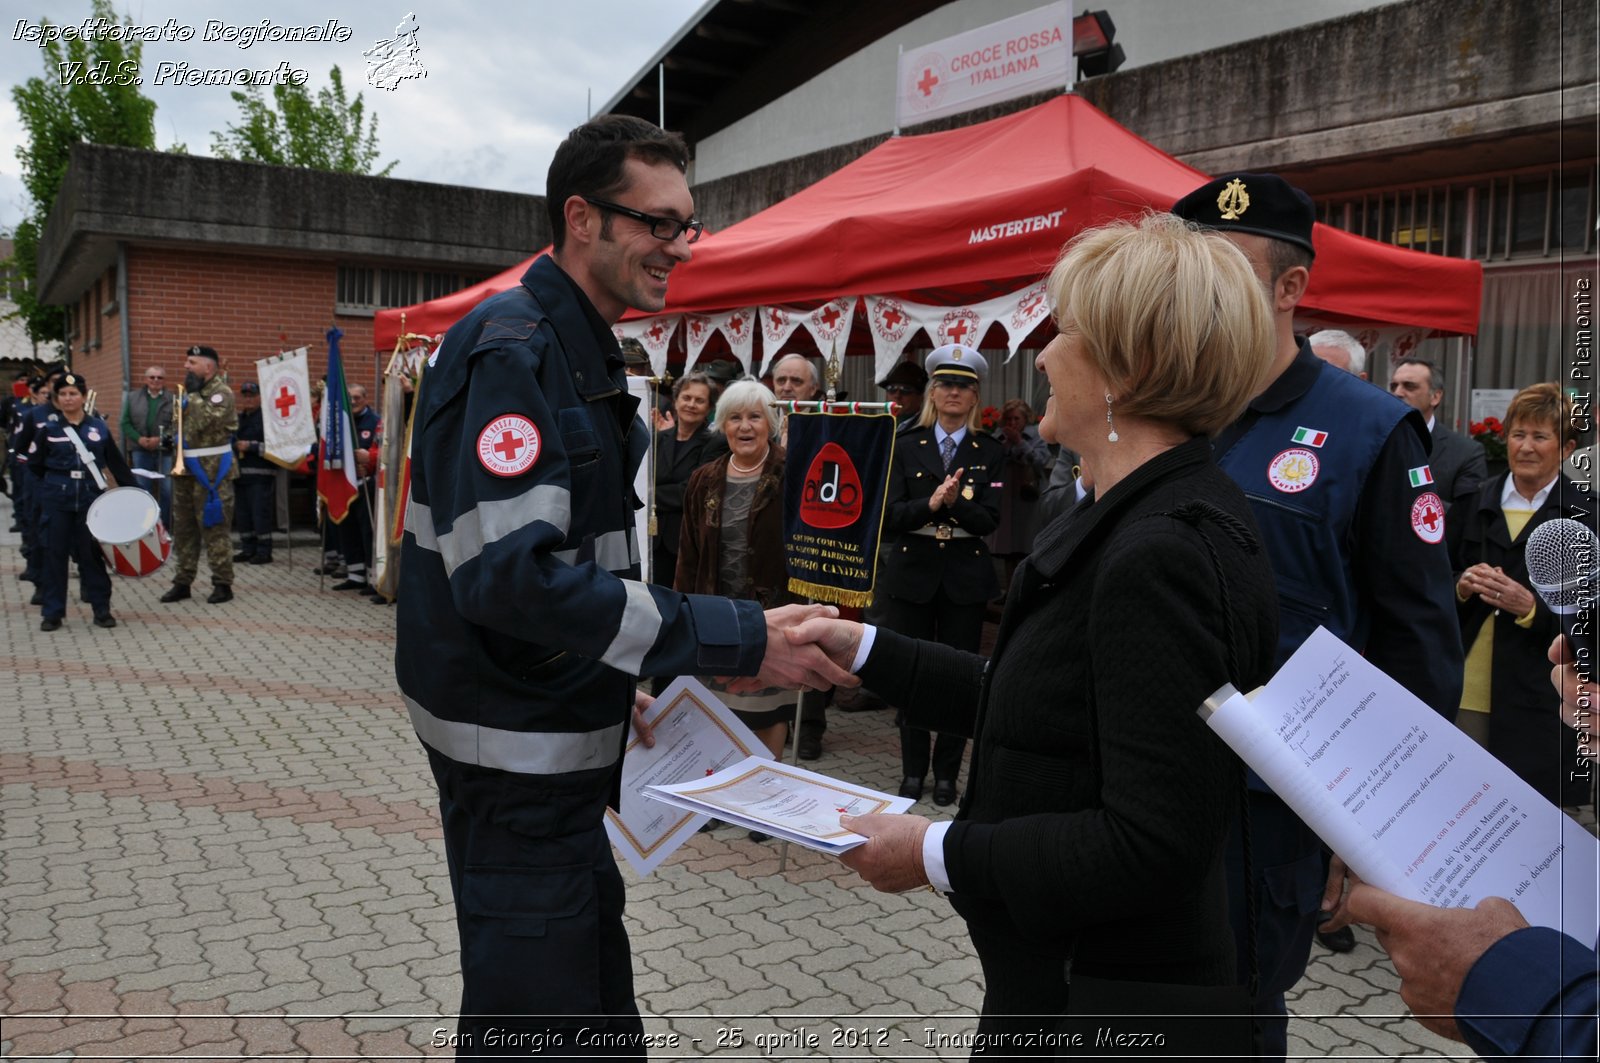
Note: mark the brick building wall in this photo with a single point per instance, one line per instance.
(245, 306)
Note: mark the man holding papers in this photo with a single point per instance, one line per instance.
(523, 619)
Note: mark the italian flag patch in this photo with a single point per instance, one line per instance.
(1311, 437)
(1421, 475)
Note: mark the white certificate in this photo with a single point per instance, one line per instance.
(789, 803)
(696, 736)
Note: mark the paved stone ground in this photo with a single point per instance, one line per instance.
(218, 840)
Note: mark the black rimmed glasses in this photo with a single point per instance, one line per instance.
(668, 229)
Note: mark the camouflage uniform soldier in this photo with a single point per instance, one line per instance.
(202, 492)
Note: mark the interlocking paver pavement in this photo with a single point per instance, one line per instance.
(218, 839)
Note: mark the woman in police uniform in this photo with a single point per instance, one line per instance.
(944, 497)
(65, 488)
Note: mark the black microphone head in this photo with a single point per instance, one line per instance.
(1561, 562)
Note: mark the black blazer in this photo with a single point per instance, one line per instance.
(1094, 821)
(1458, 465)
(674, 462)
(915, 565)
(1525, 729)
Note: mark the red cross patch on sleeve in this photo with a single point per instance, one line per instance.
(508, 445)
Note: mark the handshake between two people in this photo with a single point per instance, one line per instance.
(807, 646)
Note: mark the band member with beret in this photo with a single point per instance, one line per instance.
(68, 458)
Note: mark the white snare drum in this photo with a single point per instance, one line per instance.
(126, 522)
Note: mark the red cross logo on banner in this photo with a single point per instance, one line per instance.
(929, 80)
(655, 332)
(958, 324)
(889, 319)
(830, 315)
(736, 323)
(285, 402)
(508, 445)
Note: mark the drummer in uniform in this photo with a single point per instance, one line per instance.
(202, 493)
(68, 459)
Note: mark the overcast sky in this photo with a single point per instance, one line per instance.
(505, 80)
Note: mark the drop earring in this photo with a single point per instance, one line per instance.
(1111, 436)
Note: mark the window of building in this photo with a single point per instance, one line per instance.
(362, 289)
(1537, 214)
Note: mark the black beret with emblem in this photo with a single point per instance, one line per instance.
(70, 380)
(198, 351)
(1259, 203)
(249, 387)
(906, 375)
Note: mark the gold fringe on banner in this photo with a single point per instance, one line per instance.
(833, 595)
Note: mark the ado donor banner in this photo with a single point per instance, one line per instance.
(836, 476)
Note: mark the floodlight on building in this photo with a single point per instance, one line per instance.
(1093, 35)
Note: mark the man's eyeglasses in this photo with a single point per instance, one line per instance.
(667, 229)
(901, 389)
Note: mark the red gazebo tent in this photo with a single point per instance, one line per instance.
(962, 216)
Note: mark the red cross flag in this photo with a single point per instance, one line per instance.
(286, 407)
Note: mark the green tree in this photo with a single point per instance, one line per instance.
(331, 132)
(88, 95)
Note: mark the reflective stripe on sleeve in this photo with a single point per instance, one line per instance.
(491, 521)
(641, 623)
(419, 522)
(528, 752)
(614, 551)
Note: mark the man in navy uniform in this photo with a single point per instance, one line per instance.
(1336, 475)
(355, 531)
(255, 493)
(523, 620)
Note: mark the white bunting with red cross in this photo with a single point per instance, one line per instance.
(287, 425)
(508, 445)
(654, 335)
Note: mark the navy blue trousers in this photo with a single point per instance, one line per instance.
(63, 534)
(546, 969)
(254, 497)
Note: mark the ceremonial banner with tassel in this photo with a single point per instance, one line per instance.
(836, 478)
(286, 419)
(394, 467)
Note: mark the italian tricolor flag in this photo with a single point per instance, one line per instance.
(1311, 437)
(1421, 475)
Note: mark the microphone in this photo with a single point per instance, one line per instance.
(1563, 569)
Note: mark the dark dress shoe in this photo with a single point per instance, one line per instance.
(944, 792)
(911, 786)
(810, 745)
(37, 599)
(378, 599)
(176, 593)
(243, 555)
(1342, 940)
(105, 619)
(350, 585)
(261, 559)
(220, 592)
(50, 623)
(757, 836)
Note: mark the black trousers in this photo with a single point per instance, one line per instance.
(546, 969)
(254, 497)
(957, 624)
(355, 535)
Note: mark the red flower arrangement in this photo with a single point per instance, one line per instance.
(1491, 436)
(989, 418)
